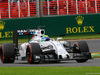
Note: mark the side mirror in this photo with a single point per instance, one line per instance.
(60, 38)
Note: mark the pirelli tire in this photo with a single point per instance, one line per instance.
(32, 50)
(80, 47)
(7, 53)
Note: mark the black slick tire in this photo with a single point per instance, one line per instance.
(31, 50)
(79, 47)
(7, 53)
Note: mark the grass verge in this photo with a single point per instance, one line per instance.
(70, 37)
(49, 70)
(96, 55)
(77, 37)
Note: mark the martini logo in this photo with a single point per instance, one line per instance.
(2, 24)
(79, 20)
(82, 29)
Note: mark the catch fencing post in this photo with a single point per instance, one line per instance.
(9, 8)
(67, 6)
(48, 7)
(41, 8)
(28, 8)
(19, 8)
(58, 7)
(96, 6)
(76, 6)
(86, 6)
(0, 14)
(38, 8)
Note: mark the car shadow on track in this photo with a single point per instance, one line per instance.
(42, 63)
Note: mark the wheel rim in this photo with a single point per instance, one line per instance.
(2, 55)
(76, 48)
(29, 54)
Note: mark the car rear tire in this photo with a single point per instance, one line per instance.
(7, 53)
(31, 50)
(79, 47)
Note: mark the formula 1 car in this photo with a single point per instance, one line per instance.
(41, 48)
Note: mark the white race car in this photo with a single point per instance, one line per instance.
(41, 48)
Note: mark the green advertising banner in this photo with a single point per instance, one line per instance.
(55, 26)
(72, 24)
(7, 26)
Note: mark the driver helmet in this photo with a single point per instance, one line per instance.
(45, 38)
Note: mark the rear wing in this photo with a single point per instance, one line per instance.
(35, 32)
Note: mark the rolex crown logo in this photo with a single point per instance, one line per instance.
(2, 23)
(79, 20)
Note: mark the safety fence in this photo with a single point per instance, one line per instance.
(68, 7)
(17, 9)
(59, 7)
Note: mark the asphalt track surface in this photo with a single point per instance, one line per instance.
(71, 63)
(94, 46)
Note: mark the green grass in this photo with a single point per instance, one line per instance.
(48, 70)
(21, 40)
(96, 56)
(69, 37)
(75, 37)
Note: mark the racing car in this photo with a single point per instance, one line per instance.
(41, 48)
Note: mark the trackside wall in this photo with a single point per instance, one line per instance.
(55, 26)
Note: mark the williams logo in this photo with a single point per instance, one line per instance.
(2, 24)
(80, 28)
(79, 20)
